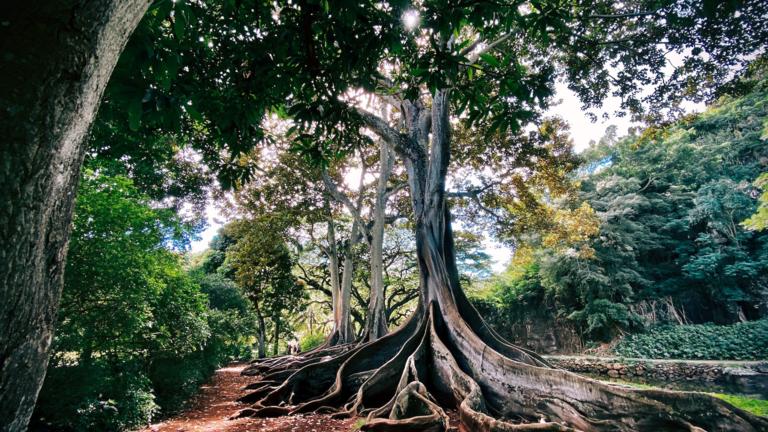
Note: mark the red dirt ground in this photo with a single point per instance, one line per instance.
(211, 409)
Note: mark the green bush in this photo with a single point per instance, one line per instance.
(95, 397)
(137, 334)
(743, 341)
(310, 341)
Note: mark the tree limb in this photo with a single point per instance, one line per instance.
(344, 199)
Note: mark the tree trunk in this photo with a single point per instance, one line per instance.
(347, 333)
(445, 355)
(57, 59)
(276, 343)
(333, 264)
(261, 332)
(376, 323)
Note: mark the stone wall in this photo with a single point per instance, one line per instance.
(738, 377)
(537, 331)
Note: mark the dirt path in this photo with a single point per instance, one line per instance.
(211, 409)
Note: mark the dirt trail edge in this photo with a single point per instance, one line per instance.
(216, 402)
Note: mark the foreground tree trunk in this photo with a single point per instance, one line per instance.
(57, 59)
(445, 356)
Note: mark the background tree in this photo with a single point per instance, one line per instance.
(261, 264)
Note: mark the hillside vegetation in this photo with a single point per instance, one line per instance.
(671, 246)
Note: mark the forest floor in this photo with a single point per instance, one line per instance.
(216, 402)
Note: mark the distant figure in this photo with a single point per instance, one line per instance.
(293, 347)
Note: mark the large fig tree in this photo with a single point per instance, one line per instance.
(491, 66)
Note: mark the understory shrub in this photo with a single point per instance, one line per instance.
(95, 397)
(310, 341)
(742, 341)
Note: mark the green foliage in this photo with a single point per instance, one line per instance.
(670, 203)
(759, 220)
(223, 293)
(136, 336)
(311, 341)
(261, 264)
(119, 271)
(472, 260)
(743, 341)
(161, 86)
(96, 397)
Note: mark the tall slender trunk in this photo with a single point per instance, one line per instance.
(376, 323)
(57, 59)
(347, 333)
(333, 264)
(261, 332)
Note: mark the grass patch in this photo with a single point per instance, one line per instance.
(755, 406)
(358, 424)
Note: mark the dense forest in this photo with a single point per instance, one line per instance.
(360, 157)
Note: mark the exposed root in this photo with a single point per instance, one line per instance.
(439, 359)
(294, 362)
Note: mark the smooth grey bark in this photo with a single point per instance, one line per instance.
(341, 287)
(347, 333)
(57, 57)
(344, 332)
(276, 342)
(376, 317)
(376, 323)
(333, 264)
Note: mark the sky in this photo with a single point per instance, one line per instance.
(583, 130)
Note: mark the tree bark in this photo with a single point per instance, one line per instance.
(376, 323)
(57, 59)
(337, 334)
(347, 333)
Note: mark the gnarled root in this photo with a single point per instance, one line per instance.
(440, 359)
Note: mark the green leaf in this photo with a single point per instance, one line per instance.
(194, 113)
(180, 21)
(490, 59)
